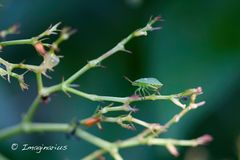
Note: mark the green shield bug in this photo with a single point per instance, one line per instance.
(146, 85)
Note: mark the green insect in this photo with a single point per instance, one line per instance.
(146, 85)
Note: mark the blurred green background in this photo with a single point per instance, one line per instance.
(198, 45)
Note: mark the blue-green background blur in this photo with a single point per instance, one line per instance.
(198, 45)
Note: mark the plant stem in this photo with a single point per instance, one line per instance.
(28, 127)
(3, 157)
(10, 132)
(124, 100)
(94, 155)
(97, 61)
(94, 97)
(119, 47)
(158, 141)
(30, 113)
(115, 154)
(147, 137)
(93, 139)
(17, 42)
(138, 142)
(39, 82)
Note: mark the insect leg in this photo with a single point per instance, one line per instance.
(154, 91)
(147, 91)
(158, 91)
(143, 91)
(137, 92)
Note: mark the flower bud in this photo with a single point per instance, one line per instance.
(204, 139)
(92, 121)
(40, 48)
(172, 149)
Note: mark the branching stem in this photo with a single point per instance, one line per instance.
(146, 137)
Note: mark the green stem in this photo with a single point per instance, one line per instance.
(39, 82)
(107, 109)
(30, 113)
(97, 61)
(3, 157)
(158, 141)
(17, 42)
(148, 141)
(119, 47)
(94, 97)
(125, 100)
(93, 139)
(95, 155)
(144, 138)
(115, 154)
(27, 127)
(10, 132)
(33, 68)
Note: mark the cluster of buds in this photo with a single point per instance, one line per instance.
(47, 51)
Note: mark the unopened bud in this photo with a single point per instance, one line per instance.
(172, 149)
(204, 139)
(92, 121)
(40, 48)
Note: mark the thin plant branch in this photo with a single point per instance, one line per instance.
(149, 136)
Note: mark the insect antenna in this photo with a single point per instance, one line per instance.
(128, 79)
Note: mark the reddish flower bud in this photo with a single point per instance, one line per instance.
(40, 48)
(92, 121)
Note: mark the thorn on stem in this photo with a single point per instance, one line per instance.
(69, 95)
(125, 50)
(74, 85)
(130, 127)
(132, 109)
